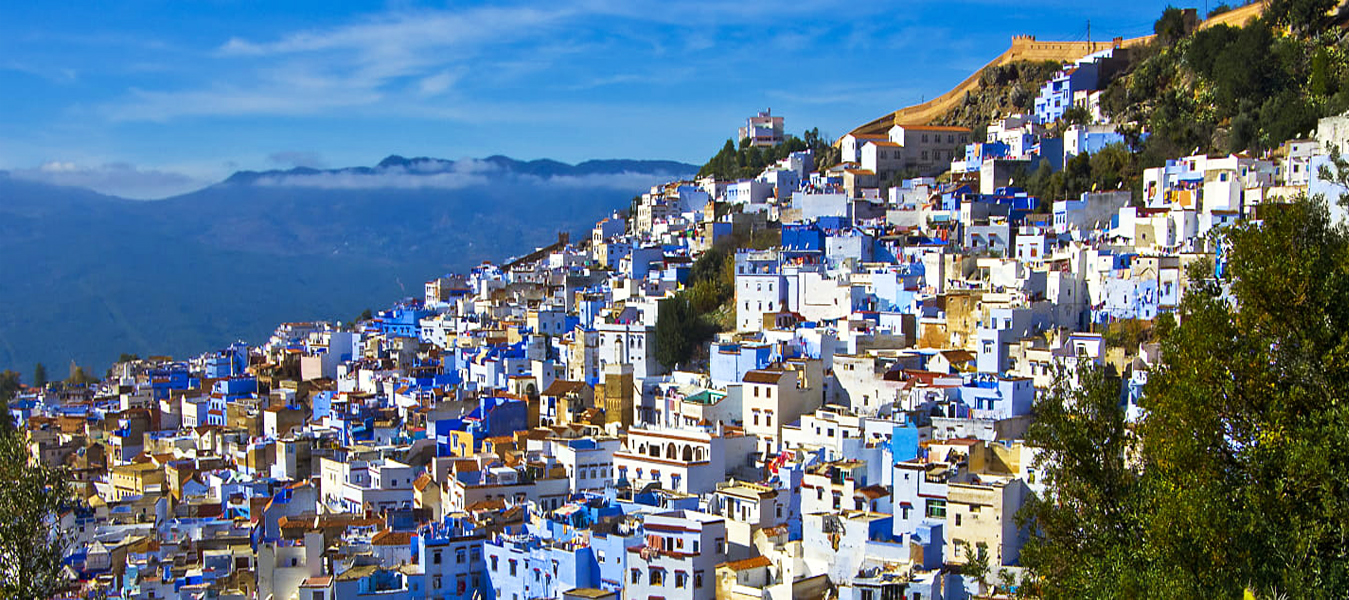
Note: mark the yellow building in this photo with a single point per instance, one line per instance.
(134, 479)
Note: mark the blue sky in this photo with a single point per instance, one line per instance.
(149, 98)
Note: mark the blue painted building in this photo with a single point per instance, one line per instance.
(802, 237)
(730, 362)
(170, 378)
(1056, 95)
(402, 321)
(226, 391)
(230, 362)
(997, 397)
(976, 153)
(1089, 140)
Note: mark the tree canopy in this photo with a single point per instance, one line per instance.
(745, 161)
(1238, 478)
(1233, 89)
(32, 497)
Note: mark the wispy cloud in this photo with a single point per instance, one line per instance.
(399, 60)
(268, 98)
(53, 74)
(117, 179)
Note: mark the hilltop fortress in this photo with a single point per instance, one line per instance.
(1027, 48)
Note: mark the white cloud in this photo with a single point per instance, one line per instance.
(627, 180)
(438, 83)
(451, 175)
(397, 180)
(117, 179)
(398, 60)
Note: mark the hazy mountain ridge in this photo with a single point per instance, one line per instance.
(496, 164)
(88, 276)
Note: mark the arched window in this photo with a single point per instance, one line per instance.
(688, 453)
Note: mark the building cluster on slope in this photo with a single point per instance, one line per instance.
(512, 435)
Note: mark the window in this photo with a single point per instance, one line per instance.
(721, 546)
(681, 579)
(936, 509)
(513, 569)
(957, 519)
(494, 563)
(698, 579)
(657, 577)
(636, 576)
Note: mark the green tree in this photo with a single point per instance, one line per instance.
(678, 331)
(1076, 115)
(1305, 17)
(32, 496)
(1243, 442)
(1085, 532)
(1322, 81)
(78, 376)
(39, 375)
(1238, 478)
(1170, 27)
(9, 385)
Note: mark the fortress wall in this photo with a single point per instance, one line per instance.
(1027, 48)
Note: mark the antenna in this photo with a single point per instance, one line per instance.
(1089, 44)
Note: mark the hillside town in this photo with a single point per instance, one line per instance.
(855, 429)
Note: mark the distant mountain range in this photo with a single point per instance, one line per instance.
(85, 276)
